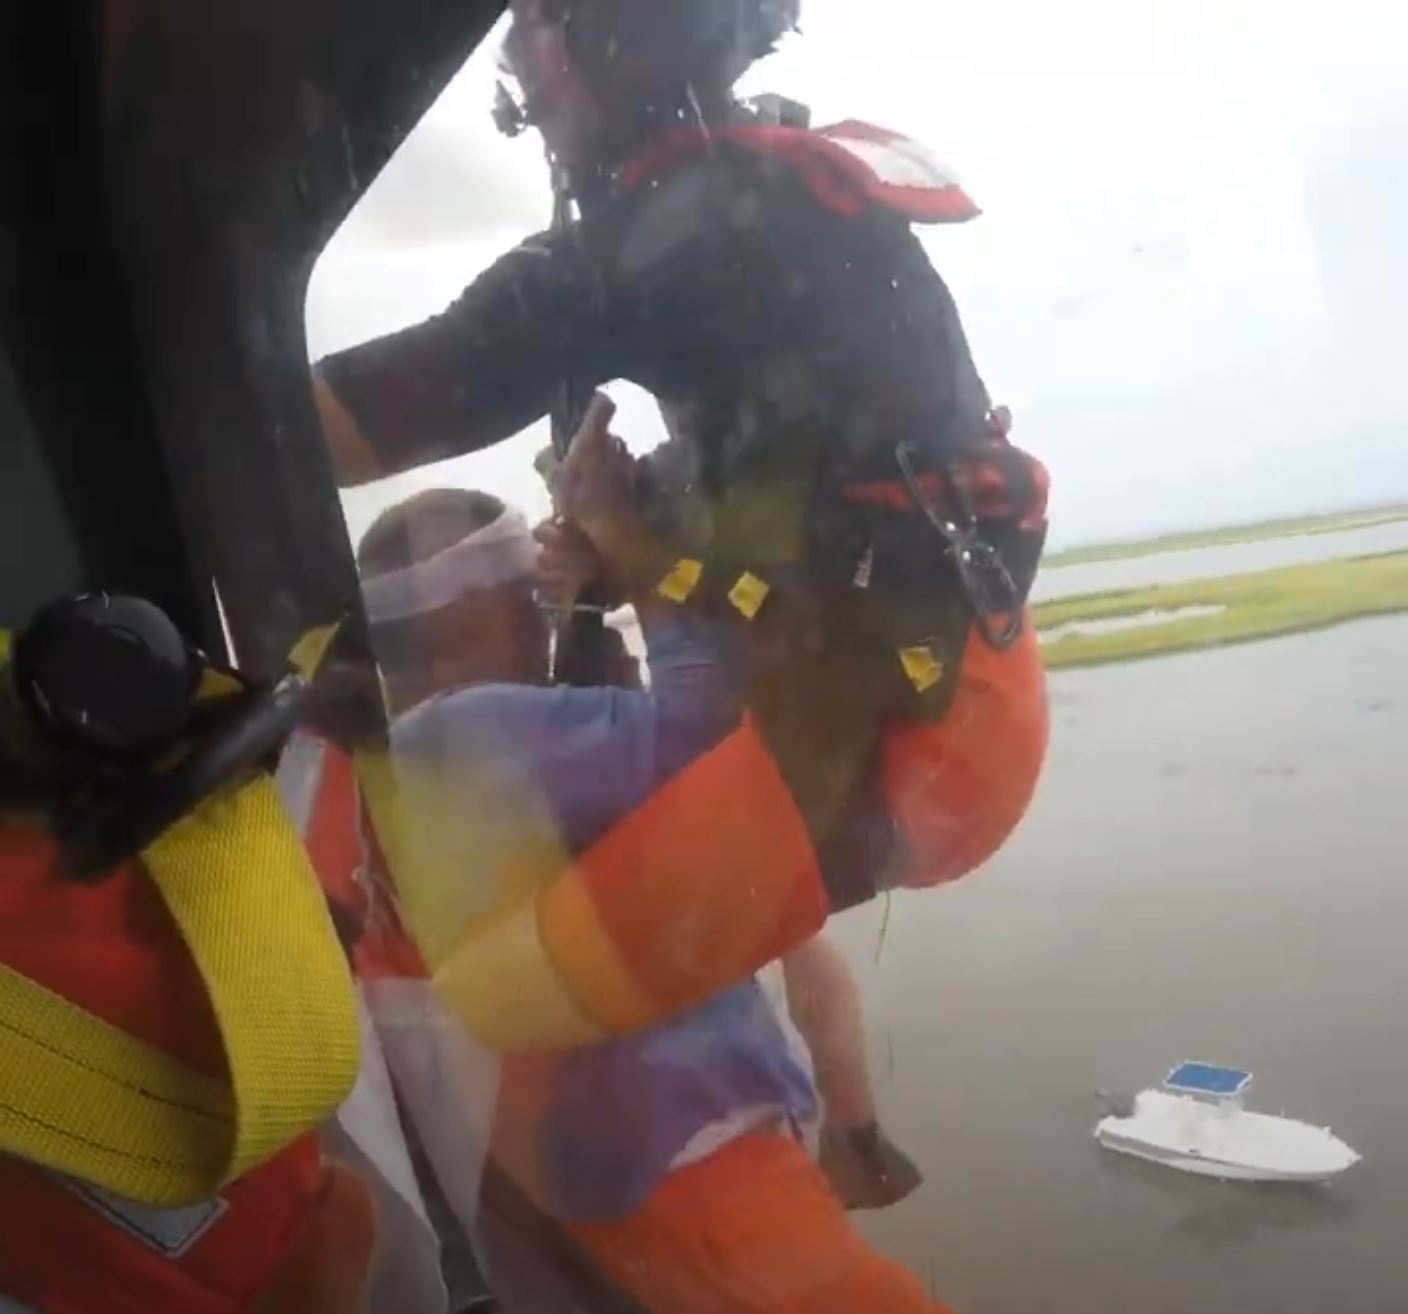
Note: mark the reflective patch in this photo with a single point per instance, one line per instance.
(682, 580)
(922, 667)
(905, 173)
(308, 653)
(170, 1232)
(748, 595)
(897, 160)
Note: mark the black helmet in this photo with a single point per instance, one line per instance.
(597, 76)
(676, 38)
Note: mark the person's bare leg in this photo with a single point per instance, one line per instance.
(866, 1170)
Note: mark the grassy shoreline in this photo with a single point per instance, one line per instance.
(1261, 605)
(1333, 522)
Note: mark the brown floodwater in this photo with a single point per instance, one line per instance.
(1215, 868)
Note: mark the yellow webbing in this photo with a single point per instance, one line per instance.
(489, 964)
(82, 1097)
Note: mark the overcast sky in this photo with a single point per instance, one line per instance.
(1188, 282)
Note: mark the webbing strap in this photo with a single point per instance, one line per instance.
(85, 1098)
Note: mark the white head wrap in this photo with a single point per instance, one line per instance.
(503, 552)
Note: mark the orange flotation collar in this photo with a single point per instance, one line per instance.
(849, 167)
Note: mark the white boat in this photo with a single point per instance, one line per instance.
(1196, 1123)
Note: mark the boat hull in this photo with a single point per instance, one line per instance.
(1222, 1171)
(1224, 1142)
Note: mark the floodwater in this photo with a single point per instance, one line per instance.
(1214, 868)
(1211, 562)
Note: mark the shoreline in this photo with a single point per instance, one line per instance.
(1231, 609)
(1330, 522)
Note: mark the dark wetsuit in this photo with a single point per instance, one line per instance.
(762, 320)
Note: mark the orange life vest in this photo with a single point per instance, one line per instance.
(69, 1248)
(291, 1237)
(715, 875)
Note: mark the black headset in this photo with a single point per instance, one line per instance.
(103, 704)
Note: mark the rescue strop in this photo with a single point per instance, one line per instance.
(82, 1097)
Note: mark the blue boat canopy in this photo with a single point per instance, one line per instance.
(1207, 1079)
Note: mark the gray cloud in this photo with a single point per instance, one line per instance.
(448, 183)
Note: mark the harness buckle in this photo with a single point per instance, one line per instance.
(983, 577)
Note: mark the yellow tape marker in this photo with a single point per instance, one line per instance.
(748, 595)
(308, 653)
(682, 580)
(922, 667)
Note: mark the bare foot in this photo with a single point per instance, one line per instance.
(866, 1169)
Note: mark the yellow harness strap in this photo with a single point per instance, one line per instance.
(82, 1097)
